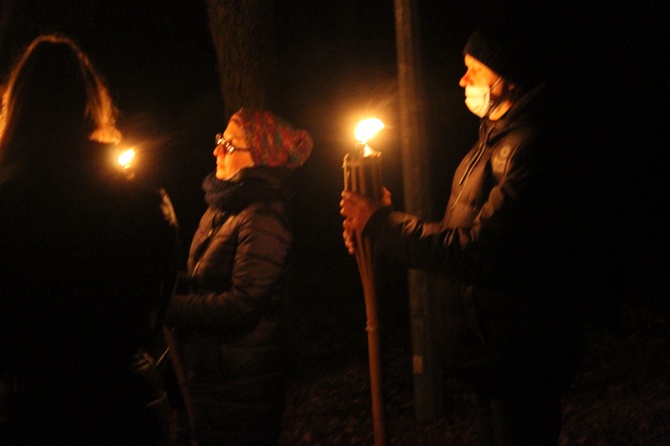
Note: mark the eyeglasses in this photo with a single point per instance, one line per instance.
(228, 147)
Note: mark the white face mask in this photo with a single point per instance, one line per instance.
(478, 98)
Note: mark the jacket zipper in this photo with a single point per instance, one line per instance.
(473, 162)
(210, 235)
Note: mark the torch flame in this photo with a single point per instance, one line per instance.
(126, 158)
(367, 129)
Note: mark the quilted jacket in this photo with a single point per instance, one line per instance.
(503, 249)
(227, 318)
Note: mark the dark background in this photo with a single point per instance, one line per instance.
(336, 65)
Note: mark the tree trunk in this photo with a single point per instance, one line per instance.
(243, 36)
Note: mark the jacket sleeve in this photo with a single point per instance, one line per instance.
(260, 256)
(498, 236)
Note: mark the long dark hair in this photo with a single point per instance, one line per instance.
(54, 98)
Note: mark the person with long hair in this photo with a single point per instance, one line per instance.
(87, 254)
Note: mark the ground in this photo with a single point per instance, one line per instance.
(619, 398)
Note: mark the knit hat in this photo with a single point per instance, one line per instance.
(516, 51)
(273, 141)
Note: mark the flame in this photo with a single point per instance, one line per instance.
(369, 151)
(125, 159)
(367, 129)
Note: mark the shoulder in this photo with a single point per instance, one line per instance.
(266, 212)
(263, 221)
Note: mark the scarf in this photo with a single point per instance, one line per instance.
(237, 193)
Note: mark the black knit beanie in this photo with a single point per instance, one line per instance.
(515, 50)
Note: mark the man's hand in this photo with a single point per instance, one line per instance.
(356, 210)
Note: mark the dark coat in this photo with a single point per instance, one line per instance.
(503, 248)
(227, 319)
(86, 257)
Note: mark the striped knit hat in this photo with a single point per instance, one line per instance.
(273, 141)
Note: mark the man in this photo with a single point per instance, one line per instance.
(503, 245)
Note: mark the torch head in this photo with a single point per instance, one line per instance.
(362, 170)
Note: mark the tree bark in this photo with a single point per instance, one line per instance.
(243, 36)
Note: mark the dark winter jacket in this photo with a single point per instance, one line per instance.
(502, 245)
(226, 316)
(86, 257)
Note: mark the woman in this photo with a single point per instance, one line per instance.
(225, 315)
(86, 254)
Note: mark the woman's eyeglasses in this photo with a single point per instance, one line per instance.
(228, 147)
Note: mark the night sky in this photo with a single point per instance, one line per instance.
(337, 63)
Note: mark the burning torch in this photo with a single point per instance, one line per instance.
(362, 174)
(125, 160)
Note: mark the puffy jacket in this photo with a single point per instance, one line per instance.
(502, 245)
(226, 319)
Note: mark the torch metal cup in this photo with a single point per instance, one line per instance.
(362, 174)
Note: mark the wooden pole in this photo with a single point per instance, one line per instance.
(422, 287)
(180, 374)
(362, 174)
